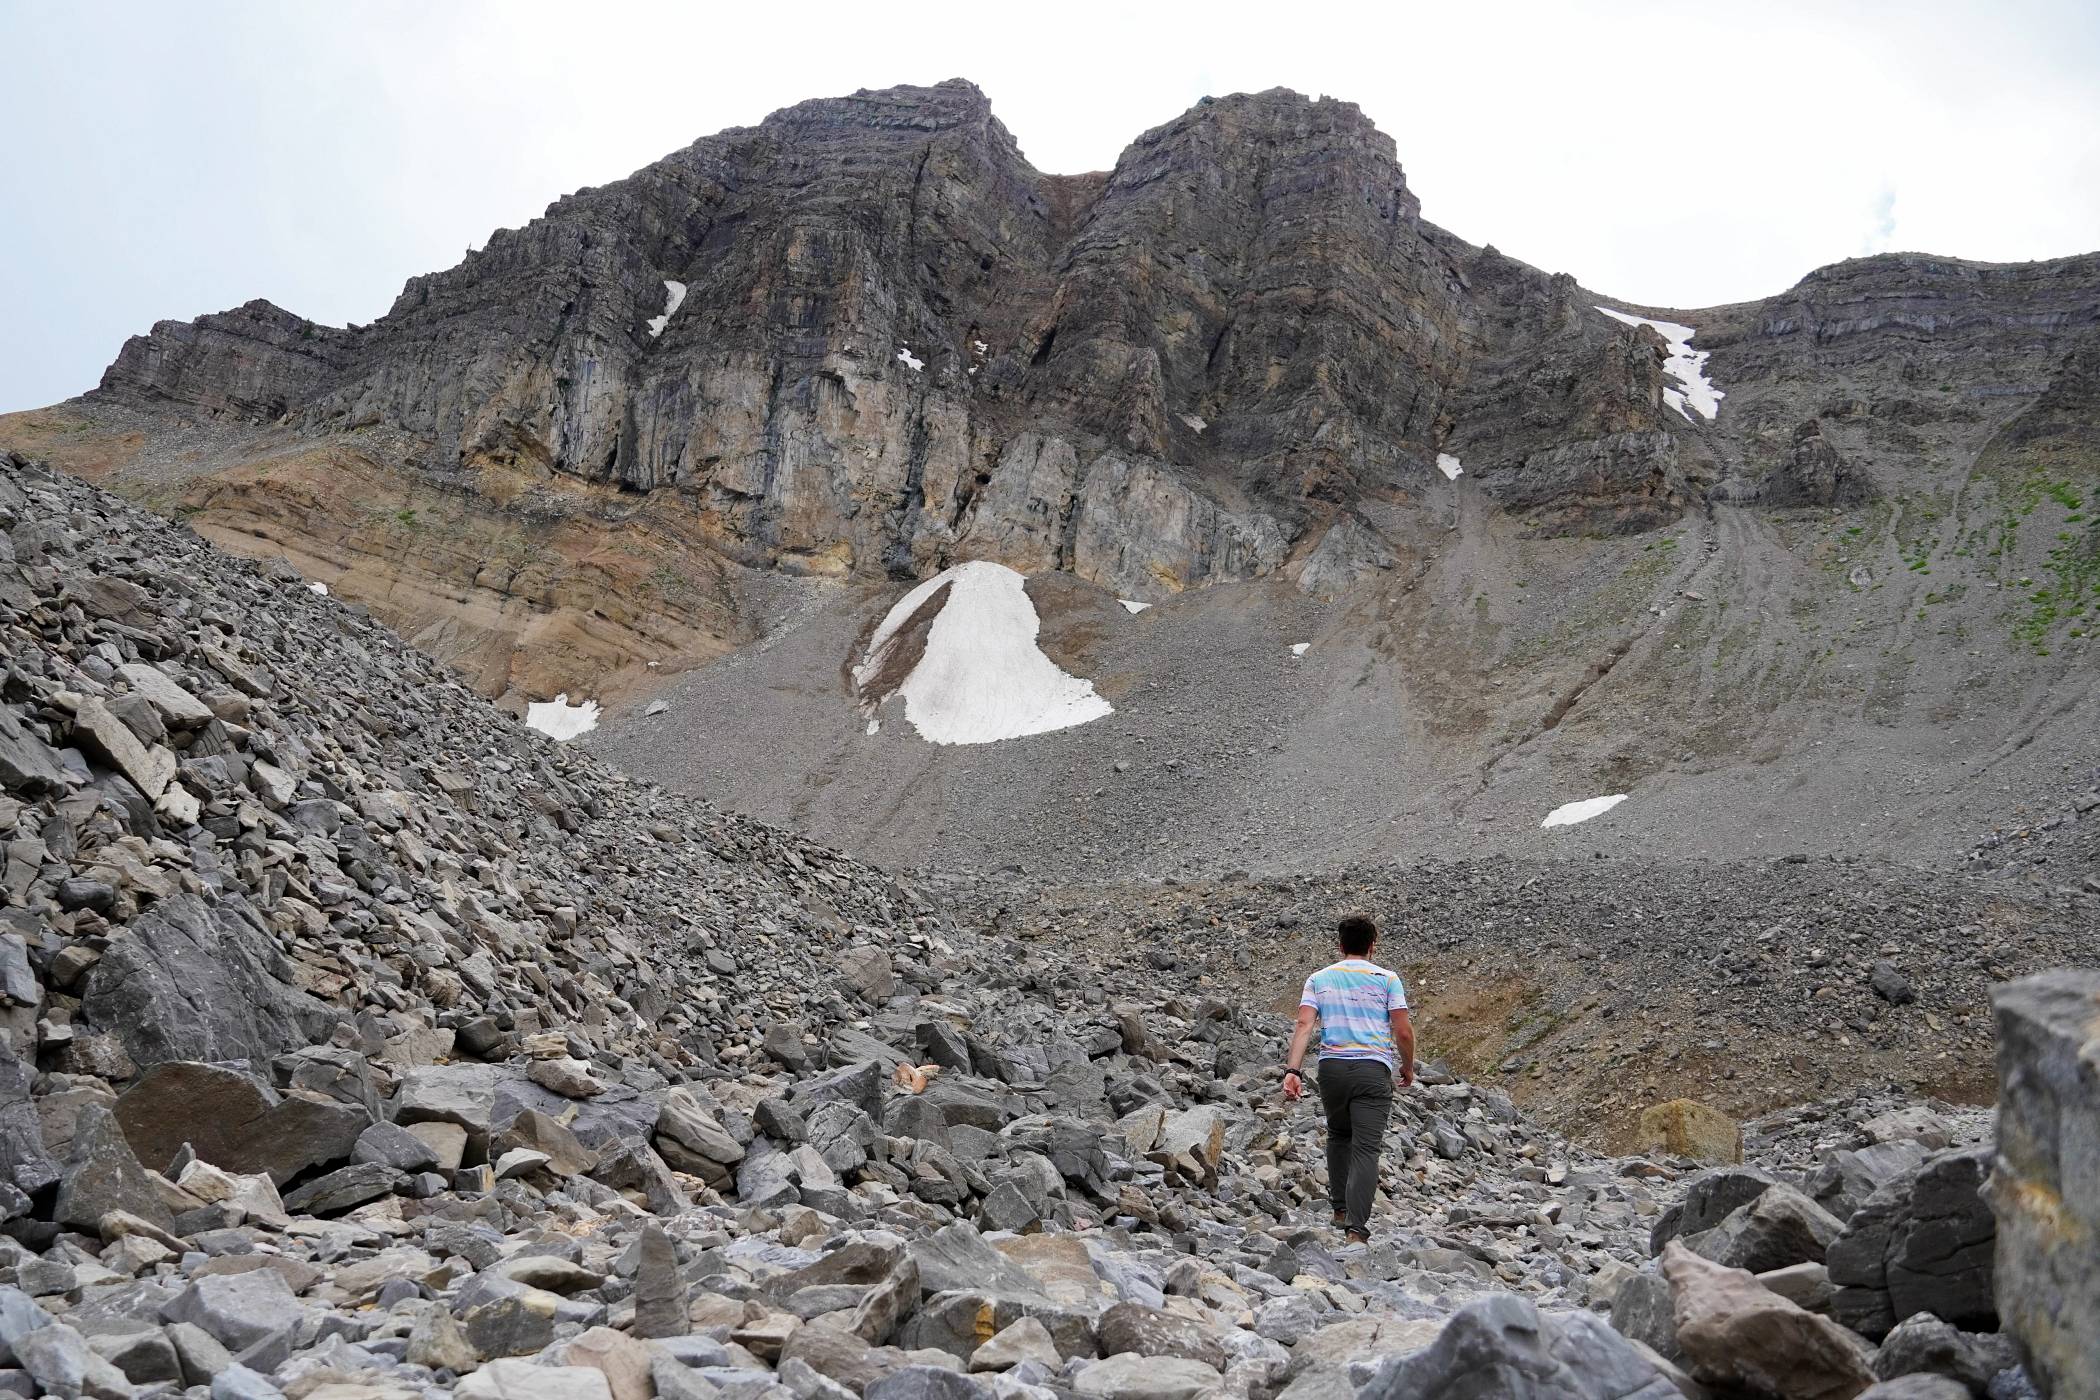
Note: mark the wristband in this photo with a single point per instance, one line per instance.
(1288, 1072)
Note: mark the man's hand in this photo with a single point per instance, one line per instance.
(1404, 1077)
(1293, 1085)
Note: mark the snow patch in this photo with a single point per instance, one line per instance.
(674, 293)
(1449, 466)
(1133, 606)
(318, 587)
(558, 719)
(874, 727)
(1196, 424)
(1299, 648)
(1694, 391)
(1569, 813)
(904, 353)
(981, 347)
(981, 677)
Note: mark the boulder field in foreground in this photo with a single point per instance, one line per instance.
(361, 1045)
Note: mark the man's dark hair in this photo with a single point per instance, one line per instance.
(1356, 934)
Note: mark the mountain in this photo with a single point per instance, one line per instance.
(1110, 580)
(1817, 570)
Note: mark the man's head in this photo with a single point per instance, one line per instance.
(1356, 934)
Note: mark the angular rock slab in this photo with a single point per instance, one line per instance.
(197, 981)
(1922, 1243)
(1736, 1332)
(234, 1121)
(1501, 1345)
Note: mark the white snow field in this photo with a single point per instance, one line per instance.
(674, 293)
(1300, 648)
(1569, 813)
(913, 361)
(981, 677)
(318, 588)
(558, 719)
(1449, 466)
(1685, 365)
(1133, 606)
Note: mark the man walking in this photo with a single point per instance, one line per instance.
(1367, 1048)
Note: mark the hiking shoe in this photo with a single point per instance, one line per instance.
(1356, 1237)
(1341, 1221)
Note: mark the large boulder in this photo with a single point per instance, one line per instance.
(2045, 1185)
(1921, 1243)
(1688, 1128)
(235, 1121)
(1502, 1345)
(1736, 1332)
(1924, 1345)
(1709, 1200)
(196, 981)
(103, 1175)
(1847, 1177)
(1780, 1228)
(1132, 1377)
(1133, 1327)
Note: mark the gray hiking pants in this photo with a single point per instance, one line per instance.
(1358, 1097)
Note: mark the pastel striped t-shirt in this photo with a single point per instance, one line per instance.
(1356, 999)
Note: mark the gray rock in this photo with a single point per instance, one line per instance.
(28, 765)
(200, 1354)
(2045, 1182)
(1642, 1311)
(1501, 1345)
(1711, 1198)
(235, 1121)
(867, 971)
(1143, 1331)
(660, 1299)
(141, 1351)
(57, 1358)
(1131, 1377)
(25, 1164)
(1780, 1228)
(1921, 1243)
(927, 1383)
(237, 1310)
(1890, 984)
(198, 981)
(956, 1257)
(237, 1382)
(1845, 1179)
(389, 1144)
(1920, 1387)
(1923, 1344)
(343, 1189)
(102, 1175)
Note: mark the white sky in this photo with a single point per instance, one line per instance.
(164, 160)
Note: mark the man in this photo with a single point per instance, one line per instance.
(1367, 1047)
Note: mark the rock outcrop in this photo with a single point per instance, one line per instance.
(2045, 1179)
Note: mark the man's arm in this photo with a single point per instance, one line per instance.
(1404, 1042)
(1301, 1036)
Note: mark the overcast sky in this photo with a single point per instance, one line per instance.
(164, 160)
